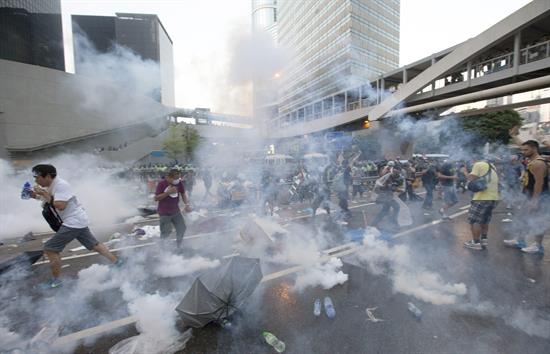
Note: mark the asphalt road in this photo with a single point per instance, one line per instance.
(506, 308)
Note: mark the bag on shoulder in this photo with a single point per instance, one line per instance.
(480, 184)
(52, 217)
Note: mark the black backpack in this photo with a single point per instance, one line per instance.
(480, 184)
(52, 217)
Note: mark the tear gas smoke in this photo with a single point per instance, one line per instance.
(177, 266)
(106, 198)
(408, 277)
(327, 275)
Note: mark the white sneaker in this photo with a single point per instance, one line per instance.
(514, 243)
(533, 248)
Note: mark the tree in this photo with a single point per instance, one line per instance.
(493, 127)
(181, 141)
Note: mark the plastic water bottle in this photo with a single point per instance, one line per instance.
(329, 307)
(26, 192)
(415, 311)
(277, 344)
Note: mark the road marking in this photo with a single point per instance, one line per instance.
(105, 327)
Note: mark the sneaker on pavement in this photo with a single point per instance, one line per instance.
(533, 248)
(50, 284)
(473, 245)
(515, 243)
(484, 241)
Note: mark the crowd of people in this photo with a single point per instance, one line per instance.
(520, 181)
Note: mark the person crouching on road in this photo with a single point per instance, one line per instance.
(71, 219)
(167, 195)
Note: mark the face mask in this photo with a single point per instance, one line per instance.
(176, 181)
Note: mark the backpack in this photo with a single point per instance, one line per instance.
(52, 217)
(480, 184)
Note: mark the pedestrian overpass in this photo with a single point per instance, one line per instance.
(510, 57)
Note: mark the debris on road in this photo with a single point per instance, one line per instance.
(273, 341)
(506, 220)
(415, 311)
(329, 308)
(371, 316)
(317, 307)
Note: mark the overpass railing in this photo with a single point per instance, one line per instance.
(367, 95)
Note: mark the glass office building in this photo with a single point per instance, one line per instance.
(335, 45)
(31, 32)
(144, 34)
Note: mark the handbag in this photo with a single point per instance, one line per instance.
(52, 217)
(480, 184)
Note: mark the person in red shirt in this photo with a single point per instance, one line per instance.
(167, 195)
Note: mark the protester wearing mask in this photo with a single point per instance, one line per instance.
(67, 217)
(167, 195)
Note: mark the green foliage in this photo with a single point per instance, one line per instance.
(182, 140)
(491, 127)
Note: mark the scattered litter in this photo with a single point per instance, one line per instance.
(426, 214)
(273, 341)
(509, 214)
(415, 311)
(45, 337)
(531, 280)
(435, 337)
(76, 249)
(506, 220)
(371, 316)
(65, 266)
(147, 344)
(329, 308)
(320, 211)
(29, 236)
(317, 307)
(340, 222)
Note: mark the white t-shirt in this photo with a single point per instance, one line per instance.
(74, 214)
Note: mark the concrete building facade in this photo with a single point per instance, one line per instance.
(335, 45)
(144, 34)
(31, 32)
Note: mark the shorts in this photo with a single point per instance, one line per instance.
(481, 211)
(66, 234)
(449, 195)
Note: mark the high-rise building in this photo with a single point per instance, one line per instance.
(334, 45)
(144, 34)
(31, 32)
(264, 89)
(264, 16)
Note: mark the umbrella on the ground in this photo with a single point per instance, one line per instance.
(25, 259)
(219, 292)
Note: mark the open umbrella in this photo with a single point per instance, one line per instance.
(219, 292)
(25, 259)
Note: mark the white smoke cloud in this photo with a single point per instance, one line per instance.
(176, 266)
(106, 198)
(326, 275)
(408, 277)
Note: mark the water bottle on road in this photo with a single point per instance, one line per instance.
(329, 308)
(26, 192)
(275, 342)
(415, 311)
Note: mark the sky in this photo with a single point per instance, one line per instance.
(205, 33)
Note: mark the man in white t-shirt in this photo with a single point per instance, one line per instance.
(70, 215)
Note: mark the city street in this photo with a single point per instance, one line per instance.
(505, 310)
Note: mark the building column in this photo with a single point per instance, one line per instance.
(405, 78)
(517, 52)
